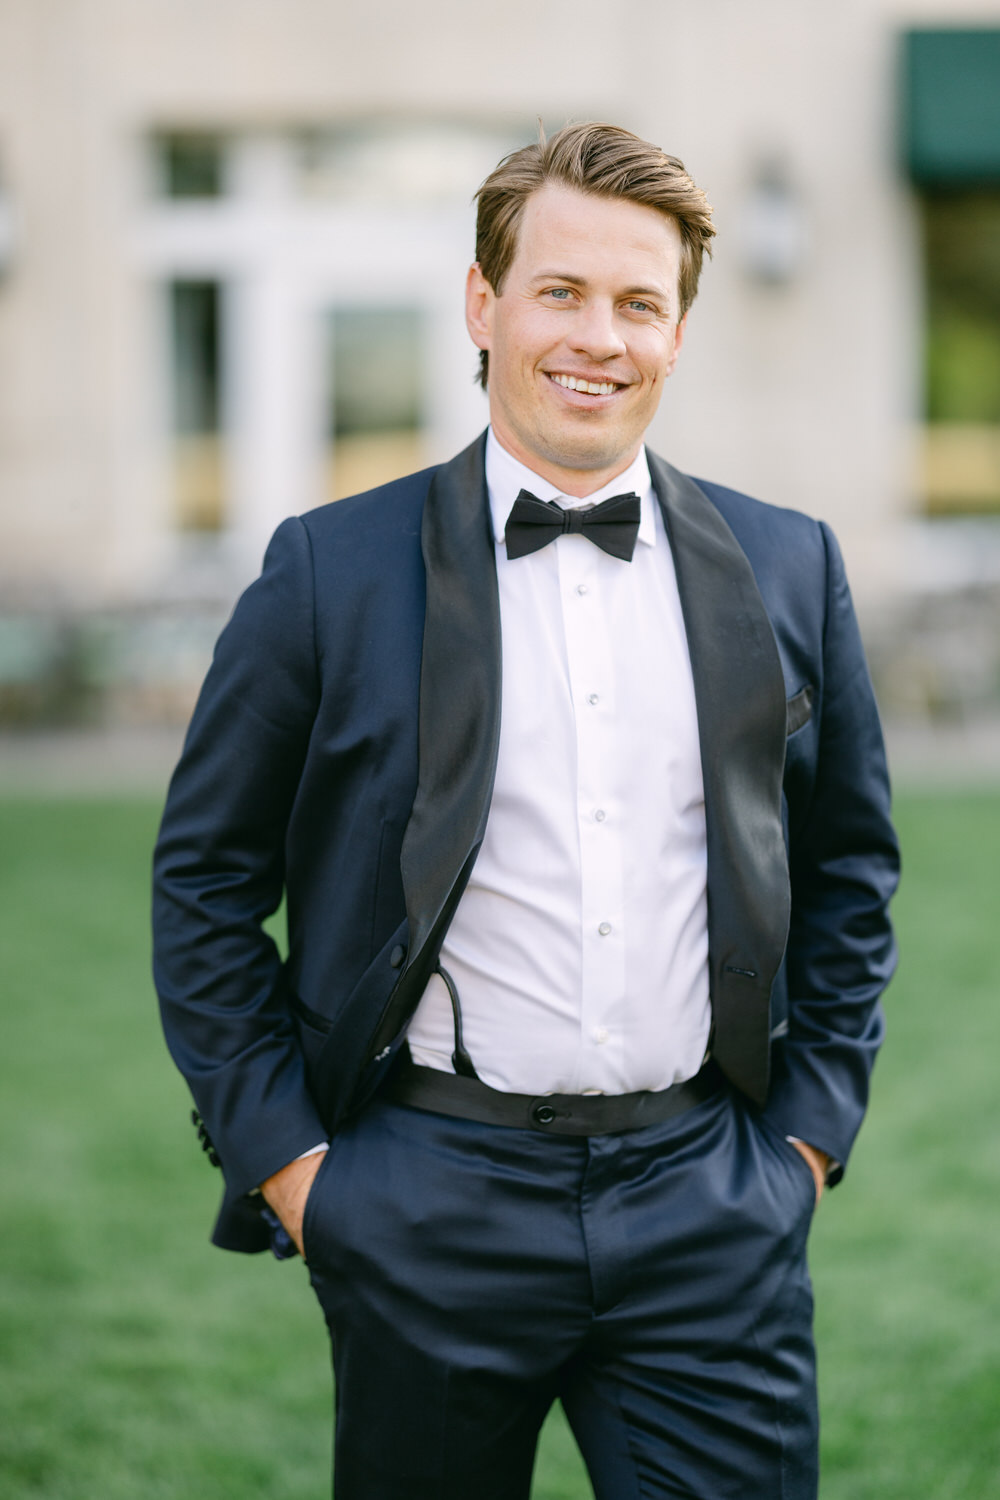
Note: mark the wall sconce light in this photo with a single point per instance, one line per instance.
(7, 234)
(773, 227)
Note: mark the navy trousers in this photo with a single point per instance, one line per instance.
(655, 1282)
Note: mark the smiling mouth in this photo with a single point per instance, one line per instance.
(586, 387)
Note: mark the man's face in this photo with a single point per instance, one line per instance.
(583, 335)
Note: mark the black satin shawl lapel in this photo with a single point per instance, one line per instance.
(459, 727)
(740, 696)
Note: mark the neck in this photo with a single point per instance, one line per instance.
(577, 483)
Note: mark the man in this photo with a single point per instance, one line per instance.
(571, 770)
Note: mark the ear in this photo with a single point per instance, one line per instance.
(479, 300)
(678, 342)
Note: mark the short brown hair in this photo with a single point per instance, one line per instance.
(600, 159)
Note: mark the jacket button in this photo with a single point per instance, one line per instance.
(397, 956)
(543, 1114)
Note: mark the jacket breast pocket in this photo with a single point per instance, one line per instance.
(800, 758)
(798, 709)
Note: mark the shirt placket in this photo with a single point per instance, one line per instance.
(593, 687)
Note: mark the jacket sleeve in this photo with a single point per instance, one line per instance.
(219, 872)
(844, 867)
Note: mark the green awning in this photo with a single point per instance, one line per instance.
(951, 106)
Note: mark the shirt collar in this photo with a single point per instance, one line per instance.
(506, 476)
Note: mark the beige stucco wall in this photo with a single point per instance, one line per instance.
(805, 394)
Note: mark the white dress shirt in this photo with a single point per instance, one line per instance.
(580, 946)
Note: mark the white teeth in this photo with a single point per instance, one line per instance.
(603, 388)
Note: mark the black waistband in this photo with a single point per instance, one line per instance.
(553, 1114)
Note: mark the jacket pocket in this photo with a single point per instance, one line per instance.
(388, 901)
(312, 1029)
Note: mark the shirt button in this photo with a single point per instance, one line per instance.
(581, 588)
(600, 815)
(600, 1035)
(593, 698)
(604, 929)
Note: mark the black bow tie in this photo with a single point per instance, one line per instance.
(613, 525)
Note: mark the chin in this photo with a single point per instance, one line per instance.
(572, 453)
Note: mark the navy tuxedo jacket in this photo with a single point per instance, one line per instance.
(342, 752)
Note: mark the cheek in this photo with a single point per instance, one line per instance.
(532, 334)
(657, 367)
(515, 349)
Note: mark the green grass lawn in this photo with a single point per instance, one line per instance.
(137, 1363)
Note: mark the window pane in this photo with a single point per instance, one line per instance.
(196, 350)
(192, 165)
(383, 162)
(962, 268)
(375, 419)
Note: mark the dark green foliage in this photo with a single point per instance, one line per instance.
(962, 258)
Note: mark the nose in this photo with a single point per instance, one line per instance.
(595, 332)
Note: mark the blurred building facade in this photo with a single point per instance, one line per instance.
(233, 238)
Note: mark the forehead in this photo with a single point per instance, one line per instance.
(594, 236)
